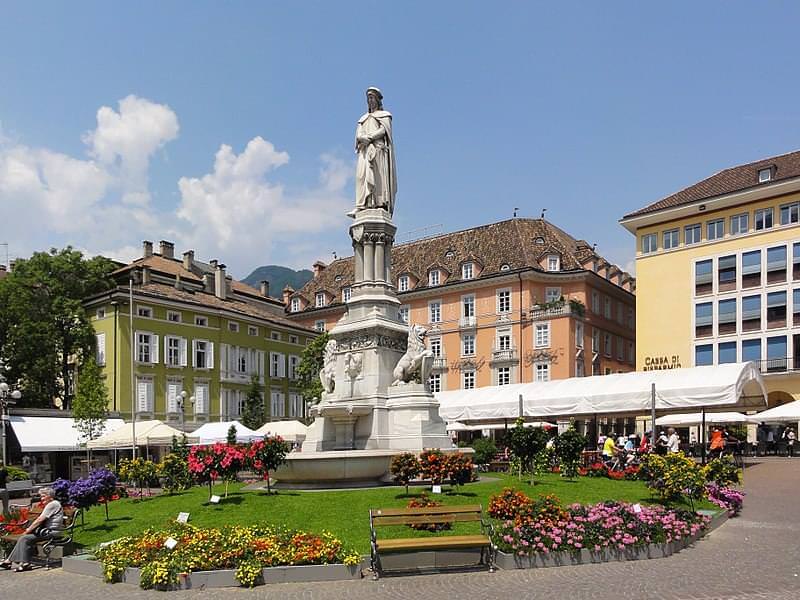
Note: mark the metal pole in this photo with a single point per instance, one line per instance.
(653, 415)
(703, 436)
(520, 406)
(133, 374)
(3, 418)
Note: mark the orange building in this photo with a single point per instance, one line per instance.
(509, 302)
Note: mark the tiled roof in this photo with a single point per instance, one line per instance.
(735, 179)
(156, 262)
(518, 243)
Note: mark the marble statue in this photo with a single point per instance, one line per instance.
(376, 174)
(416, 359)
(327, 374)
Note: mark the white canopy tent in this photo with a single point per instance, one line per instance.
(780, 414)
(729, 385)
(53, 434)
(210, 433)
(458, 426)
(148, 433)
(290, 431)
(711, 418)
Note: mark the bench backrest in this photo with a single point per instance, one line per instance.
(19, 486)
(425, 515)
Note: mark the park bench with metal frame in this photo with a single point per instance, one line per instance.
(54, 538)
(432, 515)
(24, 485)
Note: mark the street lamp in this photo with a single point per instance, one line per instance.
(182, 402)
(5, 393)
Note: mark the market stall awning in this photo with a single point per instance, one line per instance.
(780, 414)
(291, 431)
(210, 433)
(731, 385)
(688, 419)
(148, 433)
(458, 426)
(52, 434)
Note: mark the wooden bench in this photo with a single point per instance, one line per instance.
(24, 485)
(59, 538)
(429, 516)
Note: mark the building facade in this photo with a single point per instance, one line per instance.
(718, 270)
(510, 302)
(197, 330)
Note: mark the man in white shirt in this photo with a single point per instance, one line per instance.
(673, 441)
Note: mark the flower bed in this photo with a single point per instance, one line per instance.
(248, 550)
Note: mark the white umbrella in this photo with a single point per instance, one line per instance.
(290, 431)
(210, 433)
(784, 412)
(687, 419)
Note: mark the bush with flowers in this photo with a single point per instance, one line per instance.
(509, 504)
(425, 501)
(248, 549)
(460, 469)
(722, 471)
(263, 456)
(433, 466)
(215, 461)
(673, 476)
(404, 468)
(569, 447)
(728, 498)
(138, 472)
(15, 521)
(98, 488)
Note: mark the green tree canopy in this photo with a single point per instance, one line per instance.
(309, 368)
(90, 407)
(43, 326)
(253, 414)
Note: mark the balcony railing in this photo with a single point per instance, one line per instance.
(504, 355)
(468, 322)
(778, 365)
(557, 309)
(439, 362)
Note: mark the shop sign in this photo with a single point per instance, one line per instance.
(660, 363)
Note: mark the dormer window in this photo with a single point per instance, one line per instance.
(402, 283)
(449, 254)
(764, 175)
(467, 271)
(346, 294)
(295, 305)
(505, 267)
(553, 262)
(539, 241)
(433, 277)
(319, 299)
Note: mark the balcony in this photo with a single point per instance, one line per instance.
(468, 322)
(559, 308)
(505, 355)
(772, 366)
(439, 363)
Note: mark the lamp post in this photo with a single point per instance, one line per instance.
(5, 393)
(182, 403)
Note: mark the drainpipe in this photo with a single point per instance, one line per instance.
(521, 333)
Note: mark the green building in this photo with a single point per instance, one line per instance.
(197, 330)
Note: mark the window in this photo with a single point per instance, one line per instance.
(293, 339)
(763, 218)
(201, 321)
(145, 394)
(796, 261)
(296, 405)
(435, 345)
(275, 335)
(691, 234)
(504, 339)
(174, 317)
(595, 303)
(252, 330)
(277, 404)
(703, 278)
(435, 311)
(620, 313)
(596, 340)
(294, 362)
(435, 383)
(403, 313)
(607, 308)
(726, 273)
(503, 301)
(468, 306)
(790, 213)
(796, 307)
(203, 354)
(100, 313)
(578, 335)
(100, 356)
(726, 317)
(542, 336)
(174, 389)
(552, 294)
(468, 380)
(468, 345)
(620, 349)
(277, 364)
(200, 398)
(671, 239)
(776, 310)
(740, 224)
(776, 353)
(503, 375)
(319, 326)
(776, 264)
(751, 313)
(233, 326)
(144, 311)
(631, 353)
(346, 294)
(649, 243)
(319, 299)
(726, 353)
(541, 371)
(631, 319)
(175, 350)
(703, 319)
(580, 368)
(751, 350)
(764, 175)
(467, 271)
(505, 267)
(433, 277)
(553, 262)
(146, 348)
(715, 229)
(295, 305)
(607, 344)
(402, 283)
(232, 403)
(751, 269)
(241, 362)
(703, 355)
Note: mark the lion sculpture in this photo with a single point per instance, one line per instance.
(417, 359)
(327, 374)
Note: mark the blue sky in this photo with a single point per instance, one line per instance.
(228, 127)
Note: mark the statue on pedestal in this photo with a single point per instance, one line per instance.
(376, 174)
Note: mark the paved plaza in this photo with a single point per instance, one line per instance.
(754, 556)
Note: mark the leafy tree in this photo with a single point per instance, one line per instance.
(263, 456)
(43, 326)
(90, 408)
(253, 416)
(231, 438)
(485, 450)
(174, 472)
(404, 468)
(569, 446)
(180, 447)
(309, 368)
(528, 443)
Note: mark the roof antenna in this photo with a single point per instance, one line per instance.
(516, 208)
(594, 248)
(544, 210)
(334, 255)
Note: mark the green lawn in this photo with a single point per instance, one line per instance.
(344, 513)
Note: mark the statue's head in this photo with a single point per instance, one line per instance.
(418, 332)
(374, 99)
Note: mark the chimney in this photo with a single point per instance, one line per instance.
(147, 249)
(318, 268)
(265, 288)
(220, 284)
(287, 293)
(167, 249)
(188, 259)
(228, 284)
(145, 275)
(208, 283)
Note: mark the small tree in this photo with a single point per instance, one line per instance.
(527, 443)
(311, 361)
(569, 447)
(485, 450)
(90, 407)
(433, 465)
(231, 437)
(174, 472)
(253, 415)
(263, 456)
(404, 468)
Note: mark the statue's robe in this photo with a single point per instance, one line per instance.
(376, 174)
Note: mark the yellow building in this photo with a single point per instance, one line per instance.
(718, 268)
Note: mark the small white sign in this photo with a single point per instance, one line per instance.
(637, 508)
(183, 517)
(436, 489)
(215, 499)
(171, 543)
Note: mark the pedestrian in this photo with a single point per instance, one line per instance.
(661, 444)
(673, 441)
(4, 486)
(644, 446)
(51, 520)
(791, 438)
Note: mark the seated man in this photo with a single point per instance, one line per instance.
(610, 449)
(51, 520)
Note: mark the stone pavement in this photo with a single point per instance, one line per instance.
(751, 557)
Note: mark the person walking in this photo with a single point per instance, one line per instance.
(43, 527)
(673, 441)
(4, 486)
(791, 438)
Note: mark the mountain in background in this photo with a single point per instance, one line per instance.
(278, 278)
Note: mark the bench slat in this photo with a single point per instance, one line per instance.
(426, 519)
(429, 510)
(439, 542)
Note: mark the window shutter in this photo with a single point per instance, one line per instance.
(172, 397)
(210, 355)
(141, 396)
(281, 365)
(182, 346)
(154, 349)
(193, 358)
(101, 349)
